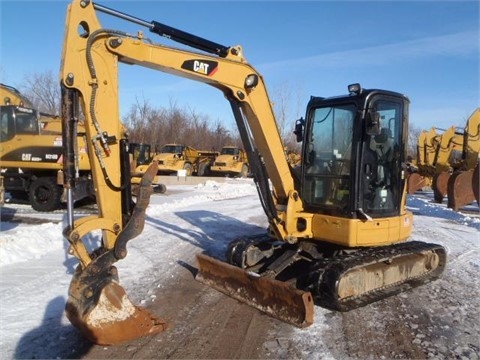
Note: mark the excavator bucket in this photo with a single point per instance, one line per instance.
(97, 305)
(415, 182)
(110, 318)
(460, 189)
(440, 186)
(276, 298)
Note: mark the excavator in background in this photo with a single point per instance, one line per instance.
(463, 185)
(338, 225)
(419, 175)
(12, 96)
(141, 154)
(141, 157)
(31, 154)
(449, 143)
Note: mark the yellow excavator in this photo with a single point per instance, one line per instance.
(338, 224)
(463, 185)
(30, 154)
(419, 175)
(449, 143)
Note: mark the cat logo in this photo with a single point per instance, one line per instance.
(204, 67)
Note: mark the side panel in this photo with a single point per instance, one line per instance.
(353, 232)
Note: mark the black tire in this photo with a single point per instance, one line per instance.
(44, 194)
(189, 168)
(203, 170)
(159, 189)
(244, 172)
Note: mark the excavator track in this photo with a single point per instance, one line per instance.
(273, 277)
(364, 276)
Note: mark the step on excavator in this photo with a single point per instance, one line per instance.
(338, 224)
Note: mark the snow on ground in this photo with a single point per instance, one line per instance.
(35, 270)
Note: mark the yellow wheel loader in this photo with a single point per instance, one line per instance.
(338, 226)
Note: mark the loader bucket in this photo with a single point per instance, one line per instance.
(415, 182)
(108, 317)
(440, 186)
(460, 189)
(268, 295)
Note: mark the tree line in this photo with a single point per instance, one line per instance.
(157, 125)
(160, 125)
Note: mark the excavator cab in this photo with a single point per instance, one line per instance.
(17, 120)
(354, 147)
(141, 153)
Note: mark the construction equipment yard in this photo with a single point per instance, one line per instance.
(303, 232)
(438, 320)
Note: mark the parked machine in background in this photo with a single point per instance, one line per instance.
(463, 185)
(448, 144)
(141, 157)
(232, 161)
(174, 157)
(420, 173)
(31, 149)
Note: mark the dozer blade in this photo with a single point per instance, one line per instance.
(109, 317)
(271, 296)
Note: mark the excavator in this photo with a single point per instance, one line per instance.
(419, 175)
(449, 143)
(30, 154)
(337, 225)
(463, 185)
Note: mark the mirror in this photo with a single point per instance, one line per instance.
(299, 124)
(372, 122)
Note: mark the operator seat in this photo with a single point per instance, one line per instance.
(382, 144)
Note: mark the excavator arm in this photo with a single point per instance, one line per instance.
(94, 75)
(89, 78)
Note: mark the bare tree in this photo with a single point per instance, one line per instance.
(43, 90)
(413, 134)
(286, 110)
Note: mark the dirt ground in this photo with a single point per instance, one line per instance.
(210, 325)
(205, 325)
(437, 321)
